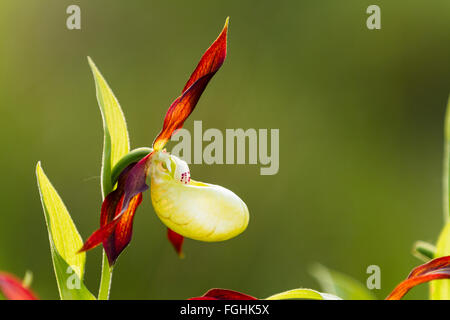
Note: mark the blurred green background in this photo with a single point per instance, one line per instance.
(360, 115)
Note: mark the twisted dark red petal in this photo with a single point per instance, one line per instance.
(118, 209)
(212, 59)
(121, 235)
(12, 288)
(224, 294)
(183, 106)
(436, 269)
(177, 241)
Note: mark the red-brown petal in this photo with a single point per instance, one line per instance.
(12, 288)
(118, 209)
(115, 234)
(436, 269)
(121, 236)
(435, 264)
(135, 180)
(109, 217)
(224, 294)
(177, 241)
(212, 59)
(99, 236)
(183, 106)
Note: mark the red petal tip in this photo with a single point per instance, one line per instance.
(13, 289)
(183, 106)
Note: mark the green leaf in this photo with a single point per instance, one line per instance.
(116, 141)
(440, 290)
(65, 241)
(340, 284)
(303, 294)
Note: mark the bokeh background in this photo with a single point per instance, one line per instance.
(360, 115)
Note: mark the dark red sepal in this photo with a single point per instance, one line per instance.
(224, 294)
(177, 241)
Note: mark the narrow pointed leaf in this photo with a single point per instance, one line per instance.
(64, 242)
(436, 269)
(116, 141)
(183, 106)
(116, 145)
(13, 289)
(440, 290)
(340, 285)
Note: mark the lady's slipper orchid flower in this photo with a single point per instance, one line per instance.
(13, 289)
(189, 208)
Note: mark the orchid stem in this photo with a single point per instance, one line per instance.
(106, 277)
(107, 270)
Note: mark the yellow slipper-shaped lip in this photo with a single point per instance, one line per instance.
(196, 210)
